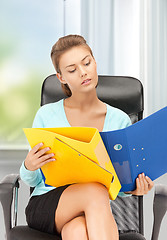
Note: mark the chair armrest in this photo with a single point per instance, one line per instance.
(161, 189)
(11, 178)
(159, 208)
(7, 186)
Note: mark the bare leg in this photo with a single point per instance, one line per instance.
(75, 229)
(92, 200)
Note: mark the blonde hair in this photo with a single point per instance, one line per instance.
(60, 47)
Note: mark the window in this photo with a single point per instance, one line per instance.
(28, 30)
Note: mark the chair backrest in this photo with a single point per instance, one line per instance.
(125, 93)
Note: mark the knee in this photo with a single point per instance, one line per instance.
(97, 195)
(74, 229)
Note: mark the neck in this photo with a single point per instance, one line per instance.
(83, 101)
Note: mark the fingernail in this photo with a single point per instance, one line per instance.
(41, 144)
(143, 174)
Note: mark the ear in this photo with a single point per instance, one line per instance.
(59, 76)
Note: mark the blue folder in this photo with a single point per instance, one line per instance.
(141, 147)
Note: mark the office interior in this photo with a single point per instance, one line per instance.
(128, 38)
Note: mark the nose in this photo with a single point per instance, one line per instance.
(82, 71)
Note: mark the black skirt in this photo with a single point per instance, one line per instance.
(40, 211)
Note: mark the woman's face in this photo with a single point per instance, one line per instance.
(78, 70)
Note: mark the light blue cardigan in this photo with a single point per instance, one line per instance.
(53, 115)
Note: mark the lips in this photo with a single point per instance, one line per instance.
(86, 81)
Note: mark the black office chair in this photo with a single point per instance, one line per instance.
(125, 93)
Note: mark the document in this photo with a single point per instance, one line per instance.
(141, 147)
(80, 155)
(113, 158)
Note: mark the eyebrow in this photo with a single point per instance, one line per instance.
(71, 65)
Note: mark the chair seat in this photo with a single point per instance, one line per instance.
(131, 236)
(27, 233)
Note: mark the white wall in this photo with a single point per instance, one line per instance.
(126, 38)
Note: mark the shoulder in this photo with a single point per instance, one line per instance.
(118, 118)
(50, 107)
(116, 111)
(47, 112)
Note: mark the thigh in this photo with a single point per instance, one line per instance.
(74, 228)
(40, 211)
(75, 199)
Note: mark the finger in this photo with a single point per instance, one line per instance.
(141, 184)
(47, 161)
(45, 157)
(36, 147)
(136, 191)
(145, 184)
(138, 184)
(42, 152)
(150, 183)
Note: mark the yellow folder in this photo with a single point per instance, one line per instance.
(80, 155)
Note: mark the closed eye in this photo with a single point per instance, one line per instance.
(72, 71)
(87, 63)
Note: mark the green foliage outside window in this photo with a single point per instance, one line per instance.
(18, 106)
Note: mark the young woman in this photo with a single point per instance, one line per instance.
(76, 211)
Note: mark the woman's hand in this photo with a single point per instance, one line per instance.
(37, 157)
(143, 185)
